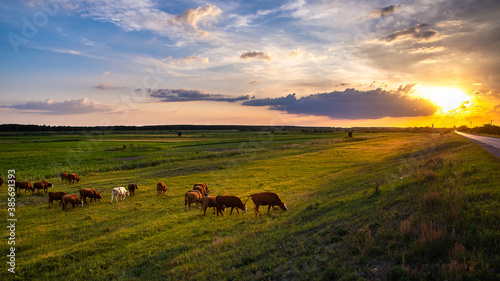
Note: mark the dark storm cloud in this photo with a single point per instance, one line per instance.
(385, 11)
(181, 95)
(255, 55)
(352, 104)
(73, 106)
(418, 32)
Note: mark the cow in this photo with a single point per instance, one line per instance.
(64, 176)
(72, 178)
(131, 188)
(70, 199)
(192, 196)
(119, 191)
(202, 187)
(1, 181)
(24, 185)
(266, 198)
(227, 201)
(90, 193)
(209, 201)
(56, 196)
(161, 188)
(42, 185)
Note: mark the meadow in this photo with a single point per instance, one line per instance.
(378, 206)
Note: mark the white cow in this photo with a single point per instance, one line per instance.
(119, 191)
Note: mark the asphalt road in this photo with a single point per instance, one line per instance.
(490, 144)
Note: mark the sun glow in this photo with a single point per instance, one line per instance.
(446, 98)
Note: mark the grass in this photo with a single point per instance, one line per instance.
(387, 206)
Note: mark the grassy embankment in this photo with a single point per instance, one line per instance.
(393, 206)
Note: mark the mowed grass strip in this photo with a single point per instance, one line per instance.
(337, 225)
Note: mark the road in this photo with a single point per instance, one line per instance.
(488, 143)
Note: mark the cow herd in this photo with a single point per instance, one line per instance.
(198, 195)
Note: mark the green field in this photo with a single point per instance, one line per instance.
(377, 206)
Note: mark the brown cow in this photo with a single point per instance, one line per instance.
(24, 185)
(266, 198)
(90, 193)
(1, 181)
(42, 185)
(161, 188)
(202, 187)
(192, 196)
(131, 188)
(72, 178)
(227, 201)
(209, 201)
(64, 176)
(56, 196)
(70, 199)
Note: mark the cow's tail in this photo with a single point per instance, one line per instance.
(247, 199)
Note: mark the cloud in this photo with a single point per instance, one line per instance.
(107, 86)
(352, 104)
(183, 95)
(418, 32)
(68, 107)
(385, 11)
(192, 17)
(187, 60)
(145, 15)
(255, 55)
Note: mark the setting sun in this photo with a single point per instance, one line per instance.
(446, 98)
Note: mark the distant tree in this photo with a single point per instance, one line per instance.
(463, 129)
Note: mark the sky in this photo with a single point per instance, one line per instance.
(352, 63)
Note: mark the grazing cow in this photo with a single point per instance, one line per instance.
(70, 199)
(42, 185)
(266, 198)
(24, 185)
(90, 193)
(227, 201)
(1, 181)
(209, 201)
(192, 196)
(56, 196)
(119, 191)
(202, 187)
(72, 178)
(64, 176)
(161, 188)
(132, 187)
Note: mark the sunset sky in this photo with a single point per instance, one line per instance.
(311, 63)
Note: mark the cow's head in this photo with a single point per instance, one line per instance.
(127, 193)
(244, 209)
(283, 206)
(50, 185)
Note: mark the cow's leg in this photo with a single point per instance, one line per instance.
(256, 208)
